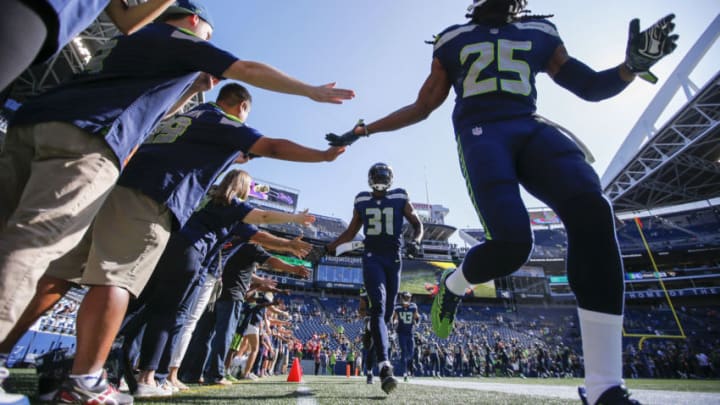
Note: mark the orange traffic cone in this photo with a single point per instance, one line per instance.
(357, 371)
(295, 372)
(347, 370)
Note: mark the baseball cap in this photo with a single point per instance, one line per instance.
(190, 7)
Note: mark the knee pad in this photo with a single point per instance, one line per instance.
(493, 258)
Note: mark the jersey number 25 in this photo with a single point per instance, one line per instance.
(485, 52)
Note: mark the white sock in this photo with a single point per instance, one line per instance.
(456, 282)
(90, 379)
(602, 351)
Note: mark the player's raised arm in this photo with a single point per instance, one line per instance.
(644, 49)
(432, 94)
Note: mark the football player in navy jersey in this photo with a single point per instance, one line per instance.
(491, 63)
(33, 31)
(406, 316)
(380, 213)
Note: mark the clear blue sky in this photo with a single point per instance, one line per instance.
(376, 48)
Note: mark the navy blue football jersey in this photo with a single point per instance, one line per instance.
(382, 219)
(493, 69)
(184, 155)
(406, 318)
(128, 86)
(69, 18)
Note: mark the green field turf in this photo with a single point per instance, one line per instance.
(341, 390)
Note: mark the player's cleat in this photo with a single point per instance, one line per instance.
(387, 381)
(369, 377)
(405, 378)
(444, 307)
(617, 395)
(583, 395)
(74, 391)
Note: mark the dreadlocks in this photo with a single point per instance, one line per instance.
(499, 12)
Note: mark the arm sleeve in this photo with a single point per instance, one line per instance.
(588, 84)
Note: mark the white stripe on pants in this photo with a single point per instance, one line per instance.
(194, 315)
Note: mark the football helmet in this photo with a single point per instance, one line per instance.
(380, 177)
(406, 297)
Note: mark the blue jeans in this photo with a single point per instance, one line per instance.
(227, 315)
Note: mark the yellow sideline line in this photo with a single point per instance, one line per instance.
(643, 337)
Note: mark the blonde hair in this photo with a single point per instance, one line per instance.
(235, 184)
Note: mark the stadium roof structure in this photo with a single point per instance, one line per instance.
(678, 163)
(71, 60)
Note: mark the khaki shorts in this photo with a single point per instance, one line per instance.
(128, 238)
(54, 177)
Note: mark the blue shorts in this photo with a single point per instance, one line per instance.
(497, 157)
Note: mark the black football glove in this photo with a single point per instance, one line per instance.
(645, 48)
(348, 138)
(413, 249)
(316, 253)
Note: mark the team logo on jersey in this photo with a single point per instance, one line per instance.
(477, 131)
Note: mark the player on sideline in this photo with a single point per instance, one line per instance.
(491, 62)
(380, 213)
(406, 316)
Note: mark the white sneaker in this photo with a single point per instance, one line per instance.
(10, 399)
(147, 390)
(168, 386)
(253, 377)
(123, 387)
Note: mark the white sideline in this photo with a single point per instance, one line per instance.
(304, 398)
(565, 392)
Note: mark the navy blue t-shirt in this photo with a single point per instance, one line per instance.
(184, 155)
(238, 272)
(128, 86)
(382, 219)
(406, 318)
(254, 312)
(212, 222)
(64, 19)
(493, 69)
(226, 248)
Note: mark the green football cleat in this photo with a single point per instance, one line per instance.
(444, 307)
